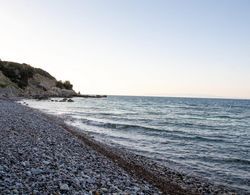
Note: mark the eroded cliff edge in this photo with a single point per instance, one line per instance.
(26, 81)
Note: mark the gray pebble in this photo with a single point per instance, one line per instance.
(64, 187)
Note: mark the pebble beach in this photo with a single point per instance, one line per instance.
(40, 157)
(40, 154)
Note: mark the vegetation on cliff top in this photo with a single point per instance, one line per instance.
(20, 73)
(24, 80)
(64, 85)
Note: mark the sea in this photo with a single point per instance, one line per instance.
(208, 138)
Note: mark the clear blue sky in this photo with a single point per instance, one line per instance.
(134, 47)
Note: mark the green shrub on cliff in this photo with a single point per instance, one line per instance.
(21, 73)
(68, 85)
(17, 73)
(59, 84)
(27, 77)
(64, 85)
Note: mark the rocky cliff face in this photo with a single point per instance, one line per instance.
(24, 80)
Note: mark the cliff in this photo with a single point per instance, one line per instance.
(24, 80)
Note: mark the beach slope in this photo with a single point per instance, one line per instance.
(37, 155)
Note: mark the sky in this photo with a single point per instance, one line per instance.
(193, 48)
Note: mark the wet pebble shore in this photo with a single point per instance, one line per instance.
(41, 157)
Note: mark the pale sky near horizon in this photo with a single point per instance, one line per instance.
(134, 47)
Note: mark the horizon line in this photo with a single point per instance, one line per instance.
(168, 96)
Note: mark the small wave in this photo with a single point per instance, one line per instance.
(178, 135)
(193, 125)
(195, 138)
(224, 117)
(231, 117)
(237, 161)
(117, 125)
(208, 139)
(227, 160)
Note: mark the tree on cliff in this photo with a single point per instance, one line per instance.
(64, 85)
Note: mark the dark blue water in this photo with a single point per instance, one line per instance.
(204, 137)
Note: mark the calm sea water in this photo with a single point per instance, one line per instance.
(205, 137)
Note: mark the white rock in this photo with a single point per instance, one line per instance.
(46, 162)
(64, 187)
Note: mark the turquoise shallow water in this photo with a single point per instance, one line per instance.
(205, 137)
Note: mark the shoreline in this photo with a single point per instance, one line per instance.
(128, 162)
(142, 169)
(38, 156)
(169, 181)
